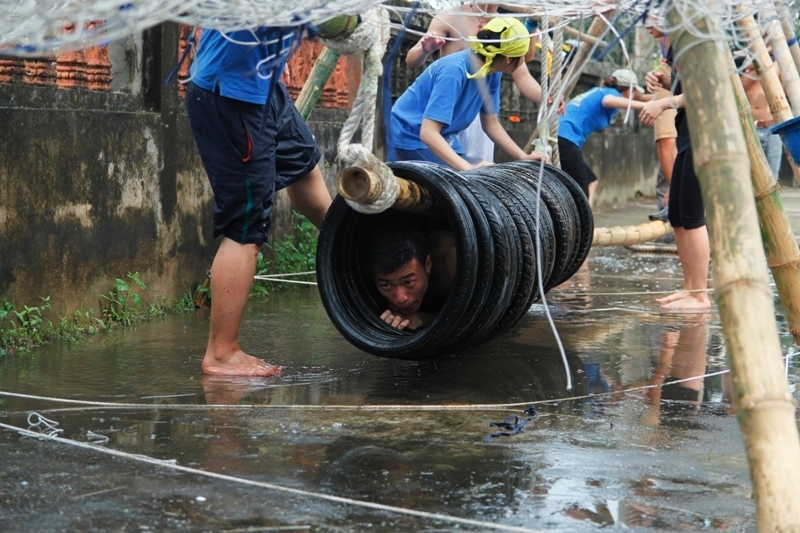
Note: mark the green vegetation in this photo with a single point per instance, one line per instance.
(22, 330)
(297, 252)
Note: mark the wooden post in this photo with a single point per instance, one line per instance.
(788, 31)
(780, 246)
(762, 401)
(770, 82)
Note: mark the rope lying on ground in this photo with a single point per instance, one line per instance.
(298, 407)
(271, 486)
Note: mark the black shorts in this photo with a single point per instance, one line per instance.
(686, 208)
(249, 151)
(572, 163)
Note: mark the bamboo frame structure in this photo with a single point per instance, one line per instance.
(783, 57)
(780, 246)
(762, 400)
(765, 68)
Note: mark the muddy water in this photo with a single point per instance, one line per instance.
(636, 455)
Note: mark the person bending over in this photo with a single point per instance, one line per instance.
(413, 273)
(593, 111)
(453, 91)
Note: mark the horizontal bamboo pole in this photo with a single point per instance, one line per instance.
(625, 236)
(364, 186)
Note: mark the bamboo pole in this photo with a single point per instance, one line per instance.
(625, 236)
(780, 49)
(365, 186)
(315, 83)
(762, 401)
(770, 81)
(573, 74)
(780, 246)
(337, 28)
(788, 29)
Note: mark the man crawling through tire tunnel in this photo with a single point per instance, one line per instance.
(412, 272)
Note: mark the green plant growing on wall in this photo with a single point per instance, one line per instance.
(25, 328)
(124, 305)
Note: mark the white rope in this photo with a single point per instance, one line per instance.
(363, 112)
(307, 407)
(271, 486)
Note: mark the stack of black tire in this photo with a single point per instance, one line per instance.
(511, 236)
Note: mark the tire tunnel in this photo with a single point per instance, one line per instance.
(506, 245)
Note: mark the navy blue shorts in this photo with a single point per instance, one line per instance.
(249, 151)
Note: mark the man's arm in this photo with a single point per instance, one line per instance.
(433, 40)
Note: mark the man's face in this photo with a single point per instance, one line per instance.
(405, 288)
(654, 33)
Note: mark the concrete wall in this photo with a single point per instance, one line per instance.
(98, 183)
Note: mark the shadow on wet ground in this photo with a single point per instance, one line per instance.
(646, 439)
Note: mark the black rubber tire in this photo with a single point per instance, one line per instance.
(515, 197)
(584, 211)
(350, 297)
(492, 216)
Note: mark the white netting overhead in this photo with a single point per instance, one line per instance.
(37, 27)
(34, 27)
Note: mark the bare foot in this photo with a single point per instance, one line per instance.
(697, 302)
(680, 295)
(240, 364)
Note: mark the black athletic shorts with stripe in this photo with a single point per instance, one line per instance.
(249, 151)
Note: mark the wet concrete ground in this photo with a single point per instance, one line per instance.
(638, 456)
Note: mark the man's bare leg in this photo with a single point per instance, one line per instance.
(310, 196)
(694, 259)
(231, 278)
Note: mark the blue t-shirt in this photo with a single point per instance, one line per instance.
(232, 66)
(443, 93)
(585, 114)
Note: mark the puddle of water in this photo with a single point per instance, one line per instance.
(648, 458)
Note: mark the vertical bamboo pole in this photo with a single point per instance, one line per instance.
(780, 49)
(762, 401)
(788, 31)
(770, 82)
(780, 246)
